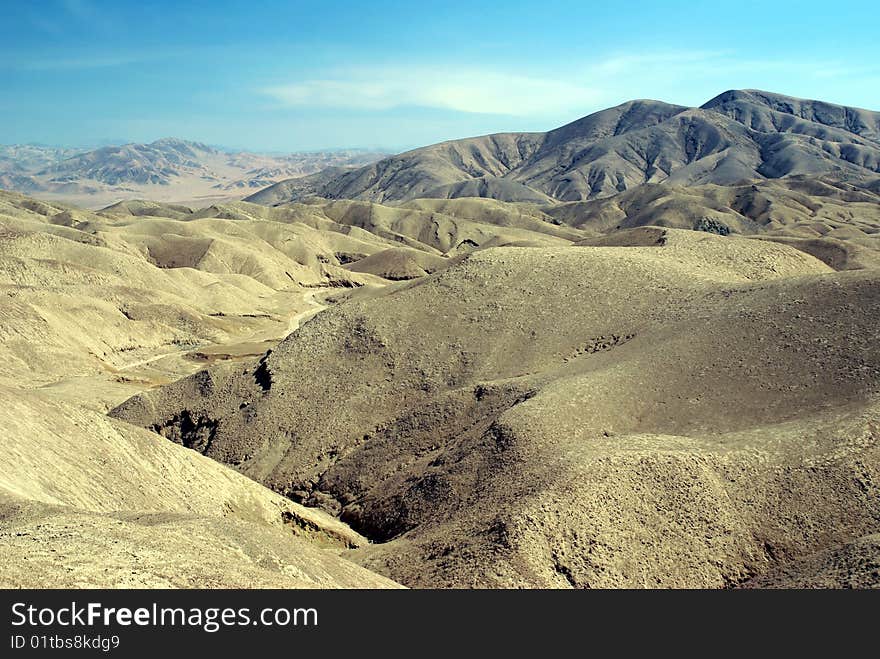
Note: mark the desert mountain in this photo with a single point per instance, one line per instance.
(76, 485)
(33, 157)
(737, 136)
(509, 421)
(20, 162)
(835, 221)
(155, 163)
(167, 169)
(98, 306)
(640, 350)
(95, 306)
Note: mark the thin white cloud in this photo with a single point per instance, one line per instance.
(482, 92)
(54, 60)
(45, 24)
(842, 70)
(572, 87)
(627, 64)
(79, 8)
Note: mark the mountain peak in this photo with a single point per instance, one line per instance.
(738, 135)
(761, 110)
(177, 143)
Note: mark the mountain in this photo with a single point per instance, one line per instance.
(32, 157)
(737, 136)
(444, 392)
(97, 306)
(838, 222)
(168, 169)
(666, 378)
(156, 163)
(768, 112)
(665, 408)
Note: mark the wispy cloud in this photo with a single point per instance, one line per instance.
(51, 60)
(569, 87)
(79, 8)
(484, 92)
(627, 64)
(846, 70)
(44, 24)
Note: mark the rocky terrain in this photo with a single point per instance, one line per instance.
(503, 384)
(96, 307)
(543, 434)
(735, 137)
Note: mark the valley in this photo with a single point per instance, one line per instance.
(641, 350)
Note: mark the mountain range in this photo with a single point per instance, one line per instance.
(736, 136)
(639, 351)
(167, 169)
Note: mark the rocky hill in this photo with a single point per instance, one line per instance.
(737, 136)
(168, 169)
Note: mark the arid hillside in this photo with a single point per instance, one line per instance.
(98, 306)
(674, 384)
(737, 136)
(671, 408)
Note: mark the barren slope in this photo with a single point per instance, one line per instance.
(108, 297)
(737, 136)
(76, 485)
(511, 421)
(97, 307)
(835, 221)
(559, 396)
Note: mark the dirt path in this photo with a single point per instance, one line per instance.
(295, 321)
(150, 360)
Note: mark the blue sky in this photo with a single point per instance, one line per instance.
(293, 75)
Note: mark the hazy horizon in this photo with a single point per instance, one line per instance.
(121, 141)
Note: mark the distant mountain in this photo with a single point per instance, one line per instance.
(32, 157)
(155, 163)
(167, 169)
(735, 137)
(281, 167)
